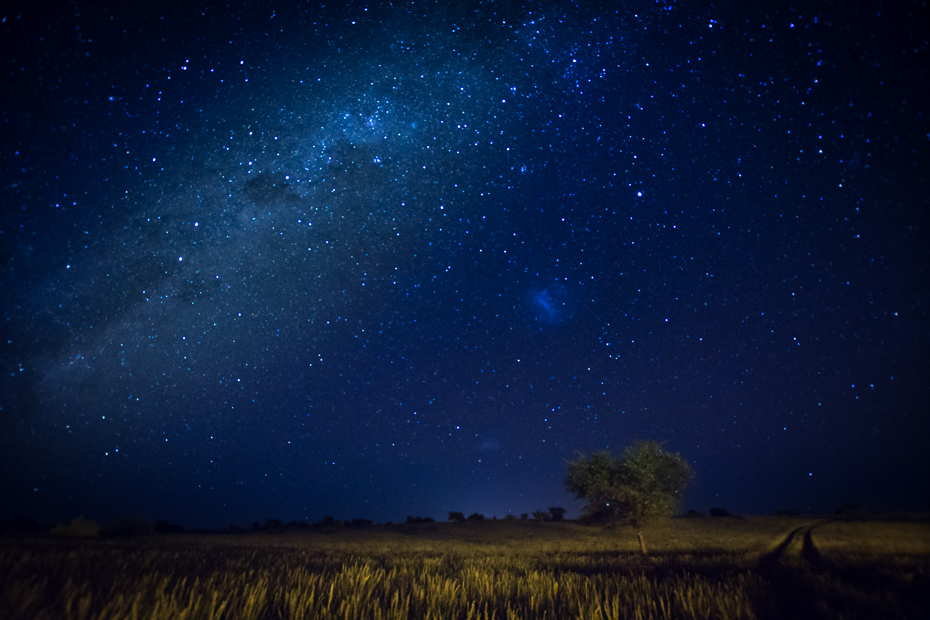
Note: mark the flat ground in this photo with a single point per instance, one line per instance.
(754, 567)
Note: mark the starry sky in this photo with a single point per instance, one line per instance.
(372, 260)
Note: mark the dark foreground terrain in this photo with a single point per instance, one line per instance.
(754, 567)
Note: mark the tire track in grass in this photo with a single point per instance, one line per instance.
(809, 585)
(809, 552)
(794, 596)
(773, 557)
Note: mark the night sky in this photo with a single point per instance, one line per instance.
(406, 258)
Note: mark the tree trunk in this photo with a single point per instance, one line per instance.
(642, 543)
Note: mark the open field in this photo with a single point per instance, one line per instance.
(756, 567)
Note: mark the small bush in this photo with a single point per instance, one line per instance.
(326, 522)
(556, 514)
(475, 517)
(78, 528)
(163, 526)
(457, 517)
(125, 528)
(851, 511)
(719, 512)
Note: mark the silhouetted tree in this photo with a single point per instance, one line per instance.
(851, 511)
(541, 515)
(524, 515)
(415, 520)
(163, 526)
(556, 514)
(457, 517)
(475, 517)
(125, 528)
(324, 523)
(78, 528)
(644, 483)
(19, 527)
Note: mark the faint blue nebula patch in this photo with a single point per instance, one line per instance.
(489, 444)
(550, 306)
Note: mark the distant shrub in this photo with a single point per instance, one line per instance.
(125, 528)
(457, 517)
(510, 517)
(556, 514)
(78, 528)
(851, 511)
(23, 526)
(415, 520)
(719, 512)
(524, 515)
(163, 526)
(541, 515)
(692, 514)
(475, 517)
(325, 522)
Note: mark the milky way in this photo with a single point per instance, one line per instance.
(407, 259)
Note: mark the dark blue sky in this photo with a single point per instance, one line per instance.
(406, 258)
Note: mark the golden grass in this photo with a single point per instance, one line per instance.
(698, 569)
(873, 537)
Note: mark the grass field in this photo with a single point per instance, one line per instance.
(755, 567)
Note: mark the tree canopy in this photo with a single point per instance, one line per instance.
(644, 483)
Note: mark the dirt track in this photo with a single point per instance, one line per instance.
(807, 585)
(808, 552)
